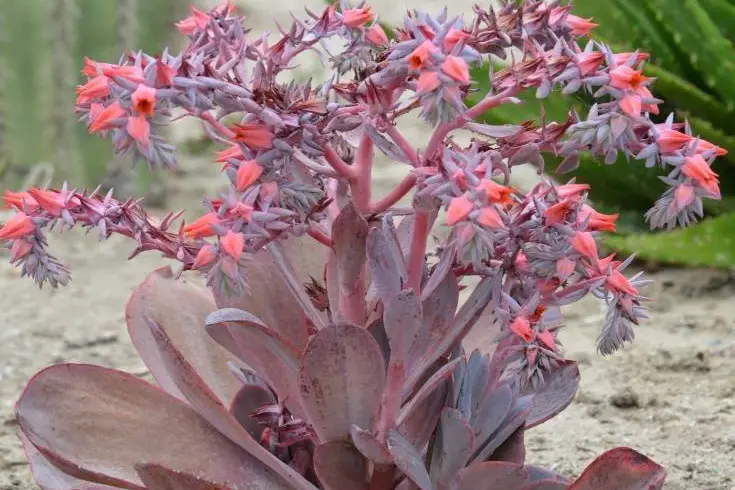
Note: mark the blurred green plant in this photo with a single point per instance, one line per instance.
(696, 82)
(42, 48)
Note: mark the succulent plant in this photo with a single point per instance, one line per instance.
(327, 351)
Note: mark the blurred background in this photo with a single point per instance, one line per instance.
(672, 394)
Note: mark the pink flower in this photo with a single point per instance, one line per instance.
(456, 68)
(20, 249)
(597, 221)
(589, 62)
(564, 268)
(256, 136)
(458, 209)
(96, 88)
(496, 193)
(52, 202)
(618, 283)
(355, 18)
(623, 58)
(233, 152)
(567, 191)
(419, 56)
(202, 227)
(683, 196)
(164, 74)
(144, 100)
(454, 37)
(490, 218)
(248, 172)
(103, 120)
(522, 327)
(697, 169)
(139, 129)
(206, 255)
(19, 226)
(427, 81)
(580, 26)
(20, 201)
(558, 213)
(377, 36)
(197, 20)
(547, 338)
(233, 243)
(584, 244)
(131, 73)
(670, 141)
(94, 68)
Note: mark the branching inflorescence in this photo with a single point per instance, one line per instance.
(299, 162)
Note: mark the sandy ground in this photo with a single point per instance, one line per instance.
(670, 395)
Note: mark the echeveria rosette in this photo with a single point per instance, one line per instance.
(351, 335)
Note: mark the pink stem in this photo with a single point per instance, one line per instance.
(395, 195)
(336, 162)
(403, 144)
(418, 249)
(472, 113)
(361, 185)
(224, 130)
(320, 237)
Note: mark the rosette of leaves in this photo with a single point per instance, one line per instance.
(696, 83)
(252, 396)
(42, 48)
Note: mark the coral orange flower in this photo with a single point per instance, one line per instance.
(202, 227)
(683, 196)
(419, 56)
(558, 213)
(490, 218)
(256, 136)
(458, 209)
(144, 100)
(93, 68)
(623, 58)
(102, 119)
(377, 36)
(19, 226)
(589, 62)
(522, 327)
(670, 141)
(164, 74)
(580, 26)
(96, 88)
(547, 338)
(456, 68)
(205, 256)
(131, 73)
(564, 268)
(597, 221)
(584, 244)
(233, 151)
(566, 191)
(248, 172)
(618, 283)
(454, 37)
(697, 169)
(139, 129)
(355, 18)
(197, 20)
(233, 243)
(427, 81)
(20, 200)
(20, 249)
(496, 193)
(51, 201)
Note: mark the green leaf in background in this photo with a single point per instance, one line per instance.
(722, 13)
(710, 243)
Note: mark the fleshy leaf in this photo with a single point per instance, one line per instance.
(402, 320)
(438, 309)
(341, 380)
(269, 297)
(385, 272)
(515, 419)
(180, 308)
(702, 244)
(245, 402)
(435, 381)
(453, 447)
(419, 422)
(491, 413)
(513, 450)
(556, 393)
(340, 466)
(157, 477)
(491, 474)
(621, 468)
(260, 347)
(369, 446)
(546, 485)
(349, 235)
(408, 459)
(97, 424)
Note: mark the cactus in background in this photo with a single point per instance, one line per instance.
(38, 77)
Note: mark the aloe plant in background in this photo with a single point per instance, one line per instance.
(697, 84)
(39, 74)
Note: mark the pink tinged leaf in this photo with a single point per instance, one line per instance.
(546, 485)
(247, 400)
(157, 477)
(269, 297)
(440, 272)
(340, 466)
(204, 401)
(491, 131)
(349, 235)
(556, 393)
(402, 320)
(385, 272)
(515, 419)
(454, 448)
(341, 380)
(538, 473)
(408, 459)
(569, 164)
(179, 307)
(439, 308)
(491, 413)
(513, 450)
(48, 476)
(97, 424)
(263, 349)
(369, 446)
(459, 208)
(436, 381)
(621, 468)
(492, 474)
(421, 421)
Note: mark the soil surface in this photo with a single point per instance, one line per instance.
(671, 395)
